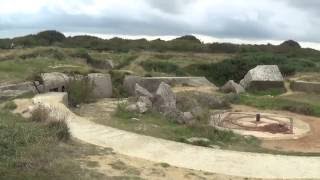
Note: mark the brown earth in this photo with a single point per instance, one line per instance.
(308, 144)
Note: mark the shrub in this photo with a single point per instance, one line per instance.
(162, 66)
(236, 68)
(40, 114)
(60, 128)
(10, 105)
(117, 78)
(79, 91)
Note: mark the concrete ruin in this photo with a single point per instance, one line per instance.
(152, 83)
(263, 77)
(102, 85)
(57, 82)
(304, 86)
(53, 82)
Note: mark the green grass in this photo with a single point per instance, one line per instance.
(155, 124)
(33, 151)
(302, 104)
(19, 70)
(10, 105)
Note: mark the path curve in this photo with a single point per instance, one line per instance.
(243, 164)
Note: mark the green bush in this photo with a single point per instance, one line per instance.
(236, 68)
(162, 66)
(80, 91)
(117, 78)
(60, 129)
(10, 106)
(40, 114)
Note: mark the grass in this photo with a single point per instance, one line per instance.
(18, 70)
(33, 151)
(156, 125)
(80, 91)
(306, 104)
(10, 105)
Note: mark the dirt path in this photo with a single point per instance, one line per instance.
(241, 164)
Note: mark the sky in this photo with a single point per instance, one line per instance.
(239, 21)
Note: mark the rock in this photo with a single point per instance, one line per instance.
(197, 112)
(197, 140)
(143, 104)
(232, 87)
(132, 108)
(54, 82)
(102, 85)
(165, 99)
(130, 82)
(140, 91)
(135, 119)
(263, 77)
(187, 117)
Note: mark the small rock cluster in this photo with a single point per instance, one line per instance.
(163, 101)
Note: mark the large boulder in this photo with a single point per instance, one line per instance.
(140, 91)
(165, 99)
(232, 87)
(263, 77)
(102, 85)
(130, 82)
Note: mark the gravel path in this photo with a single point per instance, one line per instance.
(242, 164)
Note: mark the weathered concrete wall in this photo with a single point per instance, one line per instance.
(54, 81)
(265, 85)
(102, 85)
(304, 86)
(13, 90)
(152, 83)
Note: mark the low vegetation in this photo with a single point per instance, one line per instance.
(10, 105)
(155, 124)
(293, 103)
(79, 91)
(32, 150)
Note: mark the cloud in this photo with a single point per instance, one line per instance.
(242, 19)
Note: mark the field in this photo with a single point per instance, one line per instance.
(33, 150)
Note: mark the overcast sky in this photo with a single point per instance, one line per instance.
(248, 21)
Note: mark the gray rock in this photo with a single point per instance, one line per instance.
(140, 91)
(130, 82)
(198, 139)
(263, 77)
(165, 98)
(102, 85)
(187, 117)
(132, 108)
(143, 104)
(232, 87)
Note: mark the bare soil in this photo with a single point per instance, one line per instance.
(308, 144)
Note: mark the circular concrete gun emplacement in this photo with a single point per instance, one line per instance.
(261, 125)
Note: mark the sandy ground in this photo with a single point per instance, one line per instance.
(242, 164)
(309, 143)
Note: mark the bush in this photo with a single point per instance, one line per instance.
(162, 66)
(60, 128)
(117, 78)
(236, 68)
(80, 91)
(10, 105)
(40, 114)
